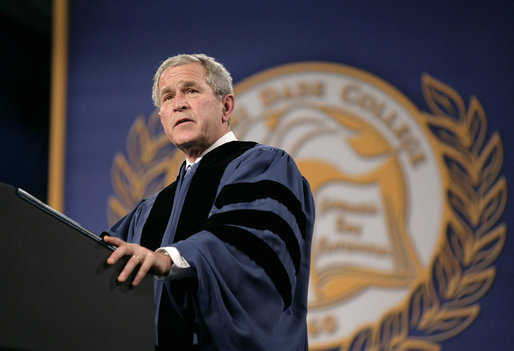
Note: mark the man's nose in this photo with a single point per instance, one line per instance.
(179, 102)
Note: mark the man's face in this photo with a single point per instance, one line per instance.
(192, 116)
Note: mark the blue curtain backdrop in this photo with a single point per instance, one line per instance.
(115, 47)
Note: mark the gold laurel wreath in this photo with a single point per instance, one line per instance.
(446, 302)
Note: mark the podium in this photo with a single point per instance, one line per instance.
(56, 291)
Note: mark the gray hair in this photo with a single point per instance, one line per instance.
(216, 74)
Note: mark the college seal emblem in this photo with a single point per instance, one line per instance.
(407, 202)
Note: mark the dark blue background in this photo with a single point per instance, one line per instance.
(25, 32)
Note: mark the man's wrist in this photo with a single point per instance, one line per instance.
(169, 261)
(180, 268)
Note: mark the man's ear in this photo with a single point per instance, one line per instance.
(228, 102)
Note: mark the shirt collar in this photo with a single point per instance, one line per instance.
(228, 137)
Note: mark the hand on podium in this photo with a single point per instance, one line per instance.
(148, 261)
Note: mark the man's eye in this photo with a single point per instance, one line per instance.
(168, 97)
(190, 91)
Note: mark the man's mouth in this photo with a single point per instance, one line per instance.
(182, 120)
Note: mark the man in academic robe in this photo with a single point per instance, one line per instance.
(229, 240)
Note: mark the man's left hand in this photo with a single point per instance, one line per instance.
(147, 260)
